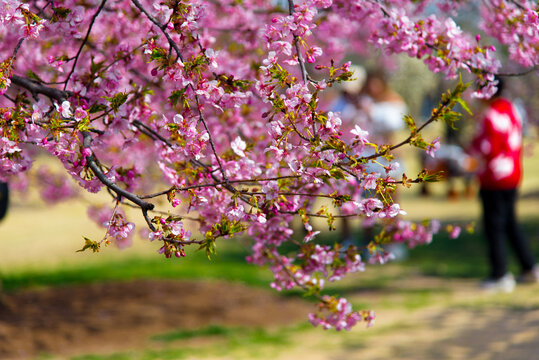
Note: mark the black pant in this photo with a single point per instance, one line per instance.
(499, 220)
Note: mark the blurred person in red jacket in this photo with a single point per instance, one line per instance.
(498, 146)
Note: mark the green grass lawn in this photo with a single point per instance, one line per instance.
(228, 264)
(461, 257)
(241, 342)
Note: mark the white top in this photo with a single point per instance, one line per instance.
(387, 116)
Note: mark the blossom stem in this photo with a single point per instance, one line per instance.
(296, 44)
(162, 27)
(76, 59)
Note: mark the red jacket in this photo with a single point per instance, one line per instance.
(499, 145)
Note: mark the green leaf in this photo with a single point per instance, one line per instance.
(59, 14)
(90, 244)
(97, 108)
(410, 123)
(337, 174)
(96, 67)
(32, 75)
(158, 54)
(117, 100)
(464, 105)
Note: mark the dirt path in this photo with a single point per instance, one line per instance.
(461, 324)
(103, 318)
(417, 318)
(457, 322)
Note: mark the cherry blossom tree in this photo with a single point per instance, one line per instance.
(212, 109)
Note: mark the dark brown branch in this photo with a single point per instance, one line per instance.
(16, 50)
(296, 44)
(161, 27)
(150, 132)
(36, 88)
(92, 164)
(76, 59)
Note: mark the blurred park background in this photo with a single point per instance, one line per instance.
(135, 304)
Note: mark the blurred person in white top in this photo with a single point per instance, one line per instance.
(372, 104)
(384, 109)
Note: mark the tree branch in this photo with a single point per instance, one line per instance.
(525, 72)
(145, 206)
(432, 118)
(296, 44)
(521, 7)
(84, 42)
(150, 132)
(16, 50)
(173, 44)
(161, 27)
(36, 88)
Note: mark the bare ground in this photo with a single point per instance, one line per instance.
(107, 317)
(458, 322)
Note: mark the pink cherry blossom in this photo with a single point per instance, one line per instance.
(238, 146)
(432, 148)
(222, 109)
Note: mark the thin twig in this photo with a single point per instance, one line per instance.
(201, 118)
(161, 27)
(141, 126)
(296, 44)
(525, 72)
(252, 193)
(317, 215)
(10, 98)
(183, 242)
(215, 184)
(517, 4)
(16, 50)
(432, 118)
(84, 42)
(173, 44)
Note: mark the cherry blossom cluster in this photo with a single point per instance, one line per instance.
(206, 116)
(515, 24)
(339, 315)
(16, 16)
(118, 228)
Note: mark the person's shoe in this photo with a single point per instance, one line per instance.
(529, 277)
(504, 284)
